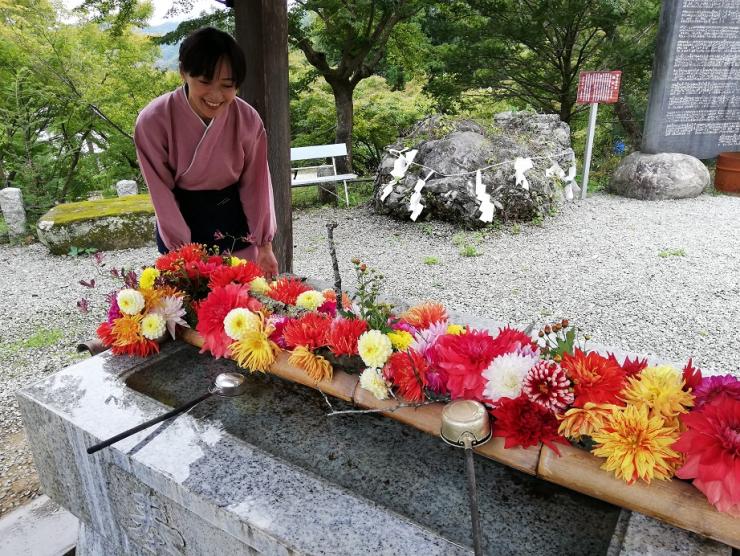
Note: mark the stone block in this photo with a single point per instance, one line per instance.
(126, 187)
(106, 224)
(655, 177)
(14, 213)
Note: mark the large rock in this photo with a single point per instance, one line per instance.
(14, 213)
(126, 187)
(654, 177)
(455, 149)
(105, 224)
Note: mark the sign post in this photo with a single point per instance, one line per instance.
(595, 87)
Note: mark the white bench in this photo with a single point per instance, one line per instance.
(309, 175)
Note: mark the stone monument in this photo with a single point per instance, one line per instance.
(694, 106)
(11, 204)
(126, 187)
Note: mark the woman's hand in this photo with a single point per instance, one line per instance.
(267, 261)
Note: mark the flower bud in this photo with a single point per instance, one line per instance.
(548, 329)
(556, 327)
(541, 334)
(566, 323)
(363, 267)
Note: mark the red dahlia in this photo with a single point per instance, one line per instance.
(287, 290)
(311, 331)
(213, 310)
(408, 372)
(239, 274)
(521, 422)
(463, 358)
(343, 335)
(595, 378)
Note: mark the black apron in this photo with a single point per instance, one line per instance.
(208, 212)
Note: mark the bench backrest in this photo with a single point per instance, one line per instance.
(318, 151)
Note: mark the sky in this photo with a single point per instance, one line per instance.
(161, 7)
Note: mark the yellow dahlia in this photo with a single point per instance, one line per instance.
(259, 285)
(661, 390)
(372, 381)
(130, 301)
(127, 330)
(374, 348)
(400, 339)
(637, 445)
(236, 261)
(255, 351)
(310, 300)
(239, 321)
(147, 278)
(584, 421)
(315, 366)
(455, 329)
(153, 326)
(152, 299)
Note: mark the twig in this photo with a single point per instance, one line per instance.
(334, 262)
(358, 411)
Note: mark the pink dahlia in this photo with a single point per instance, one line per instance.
(547, 385)
(463, 358)
(711, 444)
(712, 387)
(511, 339)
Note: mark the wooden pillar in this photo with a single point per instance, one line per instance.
(262, 32)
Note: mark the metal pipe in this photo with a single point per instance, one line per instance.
(473, 497)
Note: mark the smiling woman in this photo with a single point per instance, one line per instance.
(203, 154)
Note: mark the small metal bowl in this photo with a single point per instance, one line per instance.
(465, 423)
(229, 385)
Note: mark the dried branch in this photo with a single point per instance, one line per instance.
(360, 411)
(334, 262)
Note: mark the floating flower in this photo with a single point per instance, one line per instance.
(287, 290)
(153, 326)
(505, 376)
(455, 329)
(240, 320)
(401, 339)
(331, 295)
(277, 323)
(584, 421)
(424, 315)
(374, 347)
(309, 300)
(236, 261)
(712, 387)
(148, 276)
(547, 384)
(661, 390)
(174, 260)
(259, 285)
(372, 381)
(213, 310)
(130, 301)
(344, 334)
(511, 339)
(426, 339)
(127, 330)
(463, 359)
(711, 444)
(255, 351)
(595, 378)
(113, 311)
(521, 422)
(315, 366)
(691, 376)
(407, 370)
(637, 445)
(632, 367)
(243, 273)
(170, 307)
(311, 331)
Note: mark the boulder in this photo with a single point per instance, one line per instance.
(653, 177)
(14, 213)
(126, 187)
(455, 148)
(106, 224)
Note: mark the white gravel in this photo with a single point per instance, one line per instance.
(598, 264)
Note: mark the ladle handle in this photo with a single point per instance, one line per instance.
(473, 497)
(147, 424)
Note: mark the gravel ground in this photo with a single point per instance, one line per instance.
(660, 278)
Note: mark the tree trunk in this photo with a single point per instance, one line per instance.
(72, 167)
(629, 124)
(345, 120)
(262, 31)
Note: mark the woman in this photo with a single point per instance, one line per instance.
(203, 153)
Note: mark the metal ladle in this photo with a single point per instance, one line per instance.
(465, 424)
(226, 385)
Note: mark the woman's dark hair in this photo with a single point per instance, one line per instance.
(202, 49)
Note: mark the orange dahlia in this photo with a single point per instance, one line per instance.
(287, 290)
(176, 259)
(424, 315)
(315, 366)
(595, 378)
(584, 421)
(311, 331)
(343, 335)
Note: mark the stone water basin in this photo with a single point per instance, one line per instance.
(412, 474)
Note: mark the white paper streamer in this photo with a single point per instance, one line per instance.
(387, 191)
(415, 205)
(521, 165)
(401, 164)
(570, 179)
(487, 208)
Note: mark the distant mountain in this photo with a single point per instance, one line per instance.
(168, 52)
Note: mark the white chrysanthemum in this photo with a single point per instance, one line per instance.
(372, 381)
(310, 300)
(130, 301)
(170, 307)
(505, 375)
(259, 285)
(153, 326)
(239, 321)
(375, 348)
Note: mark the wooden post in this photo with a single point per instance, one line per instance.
(262, 32)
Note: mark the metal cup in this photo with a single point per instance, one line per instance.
(465, 423)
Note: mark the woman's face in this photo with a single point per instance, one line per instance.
(209, 98)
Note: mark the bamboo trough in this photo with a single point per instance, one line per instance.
(675, 502)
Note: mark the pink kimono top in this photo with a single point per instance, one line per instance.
(176, 148)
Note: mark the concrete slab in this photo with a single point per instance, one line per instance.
(39, 528)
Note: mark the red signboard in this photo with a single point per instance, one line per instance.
(598, 87)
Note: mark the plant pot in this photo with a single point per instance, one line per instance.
(727, 177)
